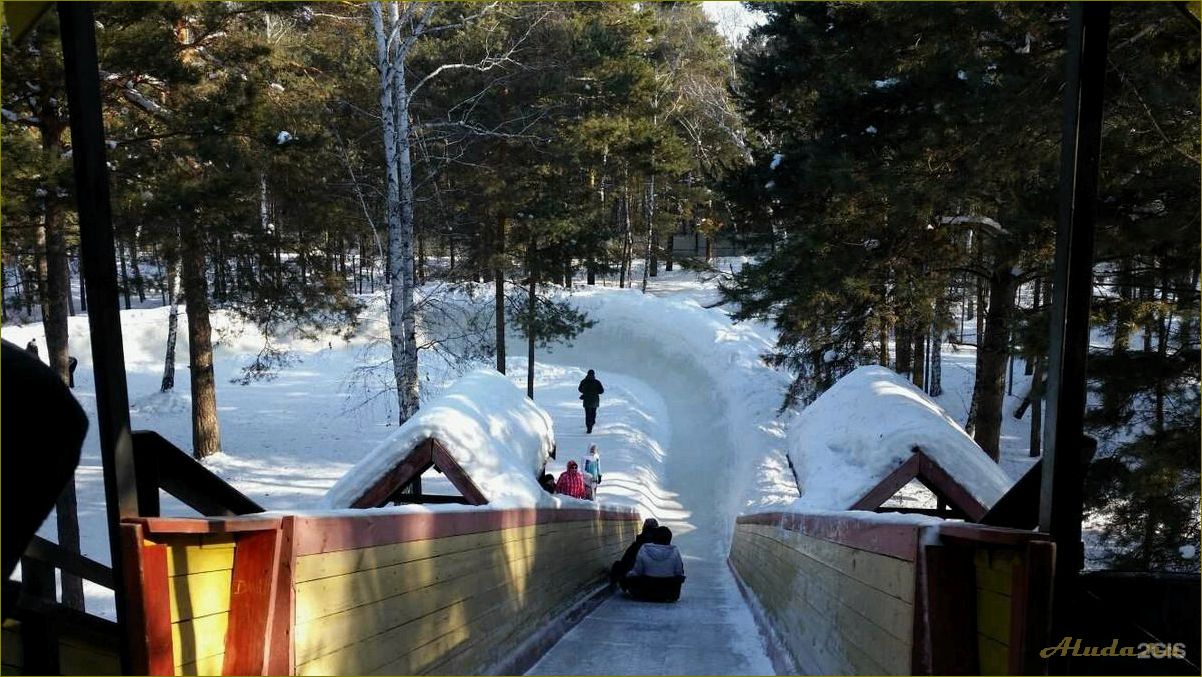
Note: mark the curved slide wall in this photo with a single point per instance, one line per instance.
(369, 593)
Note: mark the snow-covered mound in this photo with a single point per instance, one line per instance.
(865, 426)
(499, 437)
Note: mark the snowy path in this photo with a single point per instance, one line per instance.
(710, 630)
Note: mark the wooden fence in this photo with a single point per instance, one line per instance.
(377, 593)
(859, 595)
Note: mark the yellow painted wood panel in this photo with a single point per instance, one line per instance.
(355, 631)
(993, 615)
(198, 638)
(311, 567)
(994, 657)
(831, 621)
(809, 576)
(197, 595)
(211, 665)
(77, 657)
(995, 570)
(194, 559)
(502, 590)
(10, 643)
(324, 596)
(890, 575)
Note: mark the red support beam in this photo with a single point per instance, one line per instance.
(252, 603)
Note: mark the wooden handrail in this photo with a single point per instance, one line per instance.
(54, 554)
(162, 465)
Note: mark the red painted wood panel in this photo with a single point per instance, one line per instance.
(252, 603)
(205, 525)
(316, 534)
(280, 658)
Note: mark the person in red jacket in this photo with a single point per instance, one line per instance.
(571, 482)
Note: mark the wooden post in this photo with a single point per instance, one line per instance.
(1060, 505)
(39, 636)
(81, 71)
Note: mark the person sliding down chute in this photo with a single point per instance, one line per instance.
(658, 571)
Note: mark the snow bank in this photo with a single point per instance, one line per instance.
(500, 438)
(865, 426)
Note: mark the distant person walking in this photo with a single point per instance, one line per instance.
(590, 391)
(32, 348)
(571, 482)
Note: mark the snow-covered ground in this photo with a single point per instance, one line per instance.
(688, 429)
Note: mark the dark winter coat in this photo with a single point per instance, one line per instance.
(591, 389)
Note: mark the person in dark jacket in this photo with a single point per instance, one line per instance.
(590, 391)
(32, 347)
(658, 570)
(620, 567)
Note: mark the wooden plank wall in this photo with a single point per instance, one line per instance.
(199, 571)
(995, 570)
(78, 655)
(452, 595)
(840, 608)
(849, 595)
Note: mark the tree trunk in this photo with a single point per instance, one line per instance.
(390, 100)
(206, 432)
(499, 299)
(989, 389)
(409, 385)
(530, 329)
(83, 287)
(903, 342)
(139, 281)
(918, 368)
(935, 383)
(172, 323)
(421, 259)
(981, 311)
(592, 271)
(649, 212)
(124, 274)
(1036, 404)
(55, 285)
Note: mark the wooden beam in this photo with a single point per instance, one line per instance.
(949, 610)
(1060, 509)
(77, 30)
(280, 657)
(947, 485)
(147, 632)
(417, 462)
(187, 479)
(39, 636)
(1030, 612)
(252, 603)
(450, 467)
(52, 553)
(886, 488)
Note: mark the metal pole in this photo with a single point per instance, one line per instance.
(1061, 496)
(80, 70)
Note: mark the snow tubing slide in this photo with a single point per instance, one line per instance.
(377, 592)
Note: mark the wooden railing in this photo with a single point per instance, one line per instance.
(54, 638)
(162, 465)
(377, 591)
(851, 593)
